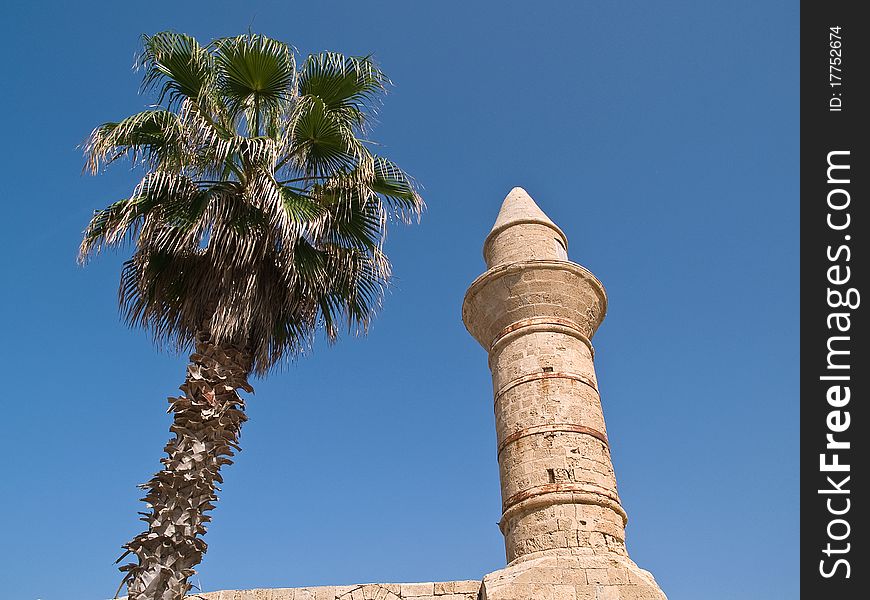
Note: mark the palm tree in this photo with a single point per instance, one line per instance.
(260, 219)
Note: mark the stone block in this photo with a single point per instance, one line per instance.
(325, 593)
(415, 590)
(444, 587)
(564, 592)
(585, 592)
(597, 576)
(608, 593)
(466, 586)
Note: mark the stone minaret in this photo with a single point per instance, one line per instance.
(535, 313)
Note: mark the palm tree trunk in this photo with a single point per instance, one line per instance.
(207, 421)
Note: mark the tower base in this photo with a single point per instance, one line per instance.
(573, 577)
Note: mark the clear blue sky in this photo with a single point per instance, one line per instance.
(661, 136)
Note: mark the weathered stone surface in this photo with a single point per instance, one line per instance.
(445, 590)
(414, 590)
(538, 238)
(371, 591)
(579, 577)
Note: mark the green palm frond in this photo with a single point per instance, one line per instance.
(321, 143)
(256, 75)
(177, 67)
(153, 136)
(396, 186)
(347, 84)
(301, 207)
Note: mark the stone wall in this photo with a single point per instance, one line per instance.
(442, 590)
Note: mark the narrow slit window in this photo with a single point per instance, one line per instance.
(561, 250)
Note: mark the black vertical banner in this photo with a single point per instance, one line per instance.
(835, 373)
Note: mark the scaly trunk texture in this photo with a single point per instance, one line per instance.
(207, 423)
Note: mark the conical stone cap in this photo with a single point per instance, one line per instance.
(520, 211)
(518, 207)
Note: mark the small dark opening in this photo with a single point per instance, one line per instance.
(561, 250)
(548, 369)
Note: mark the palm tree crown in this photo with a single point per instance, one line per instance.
(262, 211)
